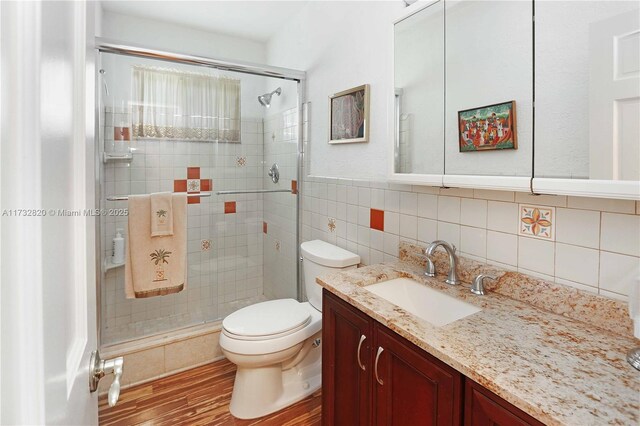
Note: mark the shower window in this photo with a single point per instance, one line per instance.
(172, 104)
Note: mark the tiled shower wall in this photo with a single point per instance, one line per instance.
(281, 147)
(225, 257)
(590, 244)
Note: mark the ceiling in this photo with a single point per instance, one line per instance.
(253, 20)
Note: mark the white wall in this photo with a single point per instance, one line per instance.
(152, 33)
(342, 45)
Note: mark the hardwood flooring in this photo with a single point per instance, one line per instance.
(199, 396)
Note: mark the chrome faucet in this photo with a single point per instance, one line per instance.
(452, 278)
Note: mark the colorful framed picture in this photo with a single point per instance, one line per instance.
(349, 116)
(488, 128)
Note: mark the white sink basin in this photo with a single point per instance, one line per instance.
(431, 305)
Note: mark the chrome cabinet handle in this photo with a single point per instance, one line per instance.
(362, 339)
(375, 368)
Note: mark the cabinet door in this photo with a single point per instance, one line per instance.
(483, 408)
(346, 363)
(412, 387)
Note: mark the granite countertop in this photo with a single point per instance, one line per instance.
(559, 370)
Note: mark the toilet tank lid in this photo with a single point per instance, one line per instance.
(326, 254)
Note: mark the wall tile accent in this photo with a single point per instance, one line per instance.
(193, 172)
(376, 219)
(264, 227)
(537, 222)
(589, 237)
(331, 224)
(229, 207)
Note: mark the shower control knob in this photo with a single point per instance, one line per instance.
(274, 173)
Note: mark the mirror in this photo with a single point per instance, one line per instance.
(419, 91)
(489, 63)
(587, 90)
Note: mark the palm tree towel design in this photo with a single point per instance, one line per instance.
(161, 214)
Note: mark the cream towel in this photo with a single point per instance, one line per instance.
(155, 266)
(161, 214)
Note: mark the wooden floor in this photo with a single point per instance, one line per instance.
(197, 397)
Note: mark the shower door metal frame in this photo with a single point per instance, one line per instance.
(104, 45)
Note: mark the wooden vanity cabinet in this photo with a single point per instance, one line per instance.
(373, 376)
(347, 339)
(408, 387)
(482, 407)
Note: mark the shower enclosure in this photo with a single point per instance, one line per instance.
(242, 221)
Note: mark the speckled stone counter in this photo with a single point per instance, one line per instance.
(560, 370)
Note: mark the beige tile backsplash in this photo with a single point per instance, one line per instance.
(596, 247)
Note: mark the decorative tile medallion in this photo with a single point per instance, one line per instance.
(241, 161)
(193, 185)
(537, 222)
(277, 245)
(206, 245)
(331, 224)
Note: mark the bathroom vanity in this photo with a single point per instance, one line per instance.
(392, 381)
(510, 363)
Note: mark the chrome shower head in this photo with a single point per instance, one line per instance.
(265, 100)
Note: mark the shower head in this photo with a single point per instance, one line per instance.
(265, 100)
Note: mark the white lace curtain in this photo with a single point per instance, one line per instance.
(171, 104)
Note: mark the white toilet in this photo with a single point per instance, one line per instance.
(276, 344)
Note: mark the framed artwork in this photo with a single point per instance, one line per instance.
(488, 128)
(349, 116)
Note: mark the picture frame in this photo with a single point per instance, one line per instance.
(488, 128)
(349, 115)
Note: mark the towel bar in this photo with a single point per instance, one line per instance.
(126, 197)
(251, 191)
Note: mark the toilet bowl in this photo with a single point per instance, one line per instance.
(276, 345)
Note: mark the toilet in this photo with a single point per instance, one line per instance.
(276, 345)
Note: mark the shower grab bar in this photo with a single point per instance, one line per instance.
(250, 191)
(126, 197)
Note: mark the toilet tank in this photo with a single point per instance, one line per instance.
(319, 258)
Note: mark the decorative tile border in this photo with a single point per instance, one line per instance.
(537, 222)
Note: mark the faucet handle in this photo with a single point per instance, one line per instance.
(478, 284)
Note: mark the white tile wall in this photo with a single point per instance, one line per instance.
(597, 245)
(227, 276)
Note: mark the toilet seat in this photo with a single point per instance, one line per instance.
(266, 344)
(267, 320)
